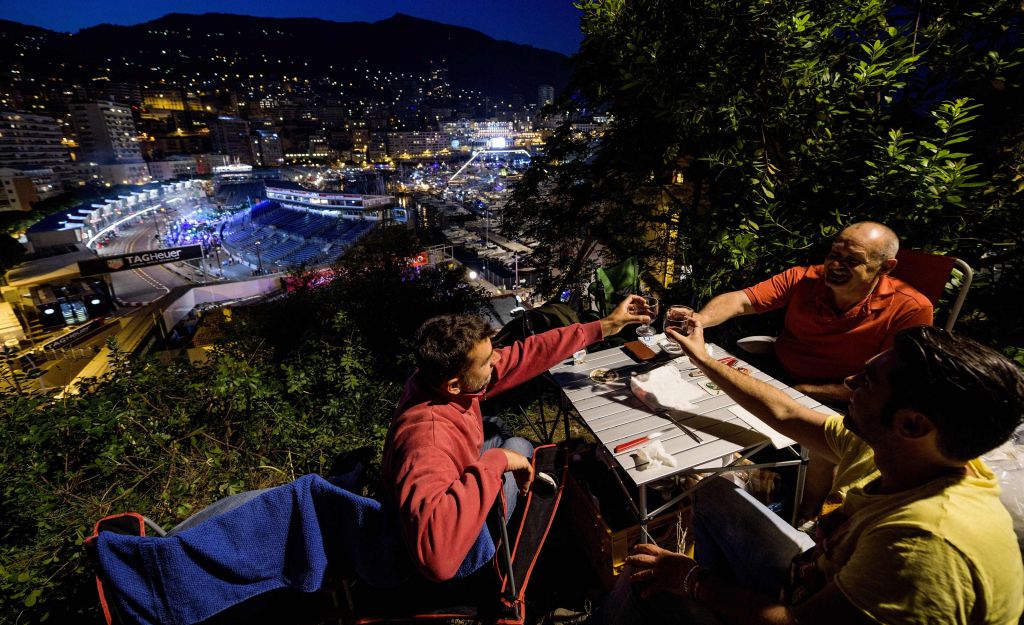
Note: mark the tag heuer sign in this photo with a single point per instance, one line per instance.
(135, 260)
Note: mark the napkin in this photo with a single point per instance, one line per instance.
(665, 388)
(651, 456)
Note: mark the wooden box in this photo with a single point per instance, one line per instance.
(607, 549)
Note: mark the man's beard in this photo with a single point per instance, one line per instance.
(483, 385)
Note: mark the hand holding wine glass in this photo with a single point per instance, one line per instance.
(645, 331)
(678, 318)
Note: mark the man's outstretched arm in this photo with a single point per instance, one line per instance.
(724, 307)
(631, 309)
(834, 393)
(524, 360)
(768, 403)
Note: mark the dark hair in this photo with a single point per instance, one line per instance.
(443, 345)
(972, 394)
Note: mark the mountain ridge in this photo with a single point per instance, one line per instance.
(306, 47)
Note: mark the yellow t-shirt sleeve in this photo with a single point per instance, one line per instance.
(900, 575)
(837, 437)
(856, 459)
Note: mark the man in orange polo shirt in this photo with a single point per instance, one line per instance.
(838, 314)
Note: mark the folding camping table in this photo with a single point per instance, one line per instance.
(614, 415)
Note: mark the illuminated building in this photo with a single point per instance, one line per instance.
(106, 132)
(415, 144)
(164, 99)
(545, 95)
(231, 137)
(344, 205)
(266, 148)
(32, 145)
(173, 167)
(17, 193)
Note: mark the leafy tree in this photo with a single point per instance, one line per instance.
(744, 134)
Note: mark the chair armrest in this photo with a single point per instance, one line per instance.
(759, 345)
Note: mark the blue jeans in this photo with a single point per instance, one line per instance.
(734, 535)
(497, 435)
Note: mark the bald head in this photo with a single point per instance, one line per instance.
(875, 238)
(861, 254)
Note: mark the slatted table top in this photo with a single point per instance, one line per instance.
(615, 415)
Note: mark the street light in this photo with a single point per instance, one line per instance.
(216, 253)
(259, 261)
(156, 226)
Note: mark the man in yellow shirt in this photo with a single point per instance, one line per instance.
(921, 536)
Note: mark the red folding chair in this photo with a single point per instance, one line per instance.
(496, 594)
(932, 274)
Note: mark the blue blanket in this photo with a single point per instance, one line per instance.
(292, 536)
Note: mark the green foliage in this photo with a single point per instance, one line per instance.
(745, 134)
(294, 382)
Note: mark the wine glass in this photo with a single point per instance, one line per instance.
(645, 331)
(677, 316)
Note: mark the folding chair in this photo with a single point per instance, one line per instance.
(131, 524)
(493, 594)
(931, 274)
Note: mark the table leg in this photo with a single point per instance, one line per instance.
(801, 479)
(565, 418)
(644, 536)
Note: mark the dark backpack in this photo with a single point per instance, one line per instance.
(534, 321)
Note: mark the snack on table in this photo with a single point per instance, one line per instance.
(603, 376)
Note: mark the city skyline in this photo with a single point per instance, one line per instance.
(546, 24)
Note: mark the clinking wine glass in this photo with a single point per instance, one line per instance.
(677, 316)
(646, 331)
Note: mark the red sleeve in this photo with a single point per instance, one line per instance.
(441, 508)
(527, 359)
(775, 292)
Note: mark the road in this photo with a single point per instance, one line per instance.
(150, 283)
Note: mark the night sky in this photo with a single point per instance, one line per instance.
(549, 24)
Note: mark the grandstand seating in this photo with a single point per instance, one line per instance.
(240, 194)
(290, 237)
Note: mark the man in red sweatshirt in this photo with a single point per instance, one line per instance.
(436, 467)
